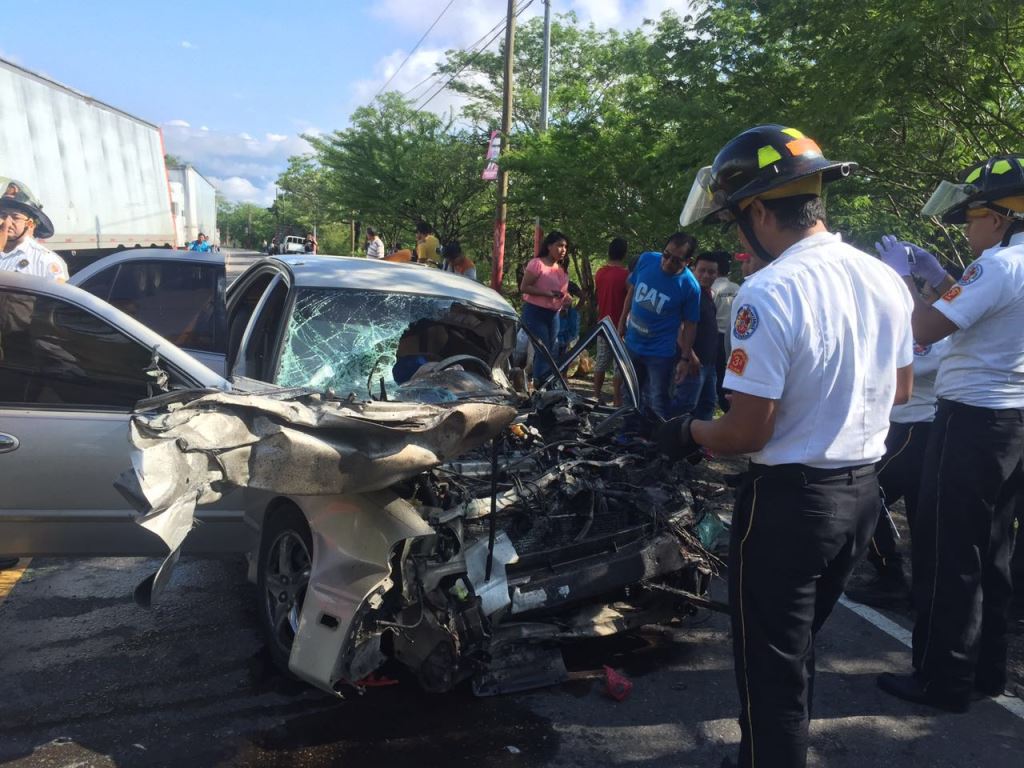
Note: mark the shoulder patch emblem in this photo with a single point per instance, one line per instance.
(952, 293)
(746, 322)
(920, 350)
(738, 361)
(54, 268)
(971, 274)
(23, 263)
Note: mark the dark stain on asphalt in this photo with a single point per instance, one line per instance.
(404, 726)
(55, 607)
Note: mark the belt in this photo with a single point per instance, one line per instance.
(808, 474)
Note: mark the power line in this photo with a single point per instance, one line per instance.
(414, 48)
(500, 25)
(469, 61)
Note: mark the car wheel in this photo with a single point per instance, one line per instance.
(286, 558)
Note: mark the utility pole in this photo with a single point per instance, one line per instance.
(544, 77)
(498, 255)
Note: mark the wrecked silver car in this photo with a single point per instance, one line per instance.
(412, 505)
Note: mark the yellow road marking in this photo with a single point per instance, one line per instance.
(11, 576)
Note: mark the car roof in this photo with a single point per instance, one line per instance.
(321, 271)
(146, 254)
(145, 335)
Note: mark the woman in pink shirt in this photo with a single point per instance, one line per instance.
(544, 288)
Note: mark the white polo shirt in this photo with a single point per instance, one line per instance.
(822, 330)
(32, 258)
(921, 406)
(985, 363)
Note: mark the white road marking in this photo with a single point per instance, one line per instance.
(1011, 704)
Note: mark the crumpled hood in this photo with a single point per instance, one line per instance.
(199, 445)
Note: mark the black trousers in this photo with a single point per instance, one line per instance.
(899, 475)
(974, 470)
(797, 533)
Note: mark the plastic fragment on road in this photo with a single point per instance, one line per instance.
(616, 685)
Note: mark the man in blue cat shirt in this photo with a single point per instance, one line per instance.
(659, 323)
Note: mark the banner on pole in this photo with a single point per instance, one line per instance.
(493, 150)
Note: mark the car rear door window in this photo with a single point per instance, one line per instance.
(183, 301)
(53, 353)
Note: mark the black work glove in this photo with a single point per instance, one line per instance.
(675, 440)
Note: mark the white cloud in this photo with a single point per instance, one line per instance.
(464, 25)
(187, 44)
(245, 167)
(178, 124)
(241, 190)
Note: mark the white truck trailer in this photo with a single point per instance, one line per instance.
(99, 172)
(193, 203)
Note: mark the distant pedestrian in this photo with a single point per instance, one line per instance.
(696, 392)
(659, 320)
(201, 244)
(610, 286)
(455, 260)
(374, 245)
(568, 324)
(544, 287)
(723, 291)
(309, 245)
(22, 220)
(428, 247)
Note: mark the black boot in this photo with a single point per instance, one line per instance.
(910, 688)
(888, 589)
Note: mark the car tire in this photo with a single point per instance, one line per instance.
(286, 558)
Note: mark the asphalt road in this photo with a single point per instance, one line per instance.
(89, 679)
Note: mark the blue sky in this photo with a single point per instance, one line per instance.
(234, 84)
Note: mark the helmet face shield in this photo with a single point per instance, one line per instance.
(702, 201)
(946, 197)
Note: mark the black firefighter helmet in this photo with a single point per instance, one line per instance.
(17, 197)
(996, 183)
(767, 161)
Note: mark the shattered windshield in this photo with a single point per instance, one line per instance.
(350, 340)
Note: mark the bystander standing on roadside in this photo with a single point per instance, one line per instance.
(659, 320)
(568, 324)
(22, 220)
(456, 261)
(696, 393)
(428, 248)
(544, 287)
(822, 348)
(974, 463)
(723, 291)
(374, 245)
(200, 244)
(309, 245)
(610, 287)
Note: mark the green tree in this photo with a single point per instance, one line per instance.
(395, 166)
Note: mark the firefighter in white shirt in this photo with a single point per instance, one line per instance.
(974, 464)
(23, 220)
(821, 350)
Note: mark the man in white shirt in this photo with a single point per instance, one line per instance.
(821, 350)
(374, 245)
(974, 465)
(22, 220)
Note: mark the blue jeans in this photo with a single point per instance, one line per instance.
(654, 374)
(697, 394)
(542, 323)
